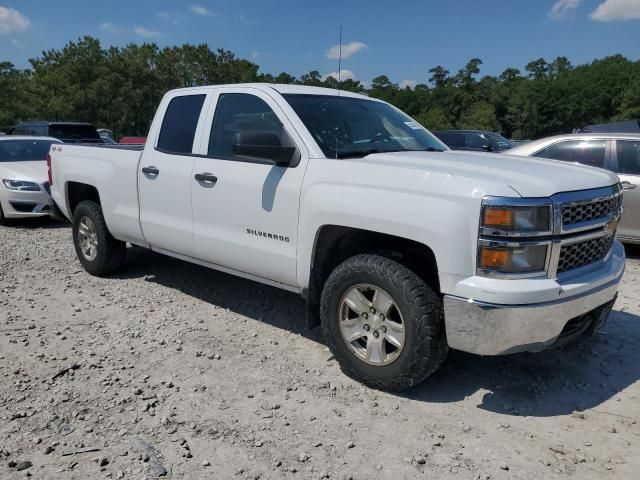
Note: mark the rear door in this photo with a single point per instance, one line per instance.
(245, 210)
(627, 154)
(164, 175)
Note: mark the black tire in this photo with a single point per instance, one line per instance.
(425, 346)
(111, 253)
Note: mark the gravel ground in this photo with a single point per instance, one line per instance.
(173, 366)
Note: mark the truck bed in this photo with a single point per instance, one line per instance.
(112, 170)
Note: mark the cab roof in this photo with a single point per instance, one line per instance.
(284, 89)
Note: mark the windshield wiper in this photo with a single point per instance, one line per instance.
(369, 151)
(357, 153)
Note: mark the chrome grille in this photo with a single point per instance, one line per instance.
(575, 213)
(579, 254)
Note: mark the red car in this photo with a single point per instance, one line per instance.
(133, 140)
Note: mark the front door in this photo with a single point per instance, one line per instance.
(164, 178)
(628, 168)
(245, 209)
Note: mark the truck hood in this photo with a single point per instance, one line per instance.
(529, 177)
(34, 171)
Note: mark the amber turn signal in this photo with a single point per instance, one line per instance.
(498, 217)
(495, 258)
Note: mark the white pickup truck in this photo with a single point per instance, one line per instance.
(401, 247)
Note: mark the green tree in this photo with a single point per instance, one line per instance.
(537, 69)
(439, 76)
(480, 115)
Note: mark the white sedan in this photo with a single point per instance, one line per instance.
(24, 186)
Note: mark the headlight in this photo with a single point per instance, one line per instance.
(508, 258)
(516, 219)
(21, 185)
(514, 237)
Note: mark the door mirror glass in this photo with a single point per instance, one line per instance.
(263, 146)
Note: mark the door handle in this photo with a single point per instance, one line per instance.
(628, 185)
(150, 171)
(206, 177)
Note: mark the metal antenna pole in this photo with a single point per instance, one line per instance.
(339, 88)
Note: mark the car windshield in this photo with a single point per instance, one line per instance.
(499, 140)
(24, 150)
(353, 127)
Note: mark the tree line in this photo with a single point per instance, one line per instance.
(120, 87)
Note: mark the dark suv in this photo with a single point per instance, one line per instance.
(68, 132)
(474, 140)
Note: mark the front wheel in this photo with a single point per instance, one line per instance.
(383, 323)
(99, 253)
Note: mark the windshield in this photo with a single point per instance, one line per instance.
(499, 140)
(24, 150)
(354, 127)
(73, 131)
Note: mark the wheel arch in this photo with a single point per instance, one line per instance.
(333, 244)
(77, 192)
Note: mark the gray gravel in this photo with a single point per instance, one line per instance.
(172, 369)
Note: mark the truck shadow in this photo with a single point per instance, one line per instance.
(632, 251)
(276, 307)
(579, 376)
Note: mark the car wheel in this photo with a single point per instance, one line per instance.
(99, 253)
(383, 323)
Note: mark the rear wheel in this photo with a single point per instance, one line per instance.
(99, 253)
(383, 324)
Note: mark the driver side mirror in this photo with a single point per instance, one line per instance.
(487, 148)
(265, 146)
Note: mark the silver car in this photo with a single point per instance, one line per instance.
(24, 186)
(617, 152)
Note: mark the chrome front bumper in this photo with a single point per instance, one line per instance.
(493, 329)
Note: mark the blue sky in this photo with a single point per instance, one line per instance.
(402, 39)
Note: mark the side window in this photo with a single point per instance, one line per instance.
(475, 141)
(628, 152)
(453, 140)
(590, 152)
(179, 124)
(242, 119)
(37, 130)
(541, 154)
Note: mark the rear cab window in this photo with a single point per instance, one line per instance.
(179, 124)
